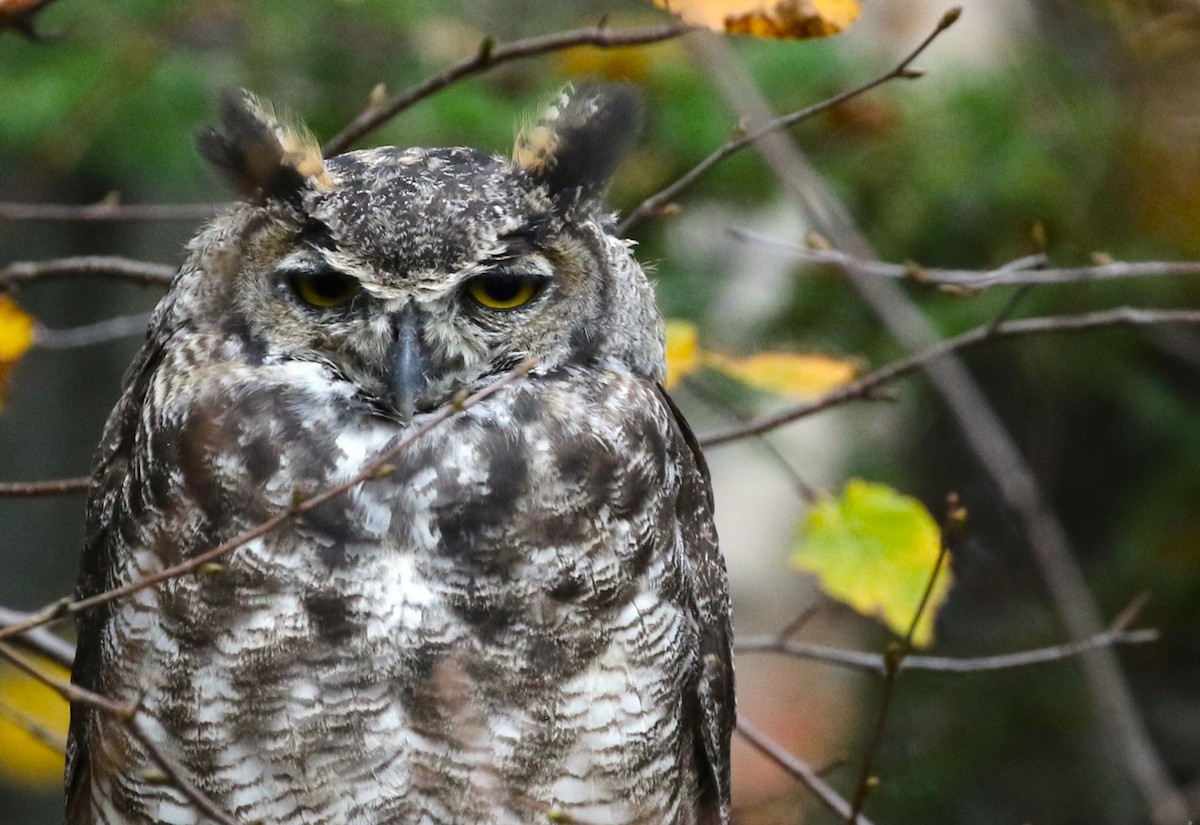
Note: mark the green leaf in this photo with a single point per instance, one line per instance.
(875, 550)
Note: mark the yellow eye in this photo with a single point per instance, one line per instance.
(324, 288)
(502, 291)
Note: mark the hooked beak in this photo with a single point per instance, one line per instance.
(407, 378)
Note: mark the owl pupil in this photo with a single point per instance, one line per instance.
(330, 285)
(503, 290)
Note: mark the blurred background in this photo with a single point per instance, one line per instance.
(1072, 127)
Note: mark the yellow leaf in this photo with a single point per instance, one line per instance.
(875, 550)
(26, 758)
(16, 330)
(683, 351)
(16, 336)
(790, 19)
(784, 372)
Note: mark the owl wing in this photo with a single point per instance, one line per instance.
(105, 515)
(714, 696)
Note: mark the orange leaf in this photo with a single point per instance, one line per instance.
(786, 19)
(16, 336)
(14, 6)
(785, 373)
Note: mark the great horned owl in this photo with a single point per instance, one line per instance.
(527, 616)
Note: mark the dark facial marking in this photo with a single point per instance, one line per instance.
(316, 235)
(585, 343)
(254, 348)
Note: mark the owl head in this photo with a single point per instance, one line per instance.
(415, 273)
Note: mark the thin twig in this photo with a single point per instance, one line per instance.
(861, 387)
(893, 659)
(1010, 305)
(35, 489)
(144, 273)
(18, 718)
(655, 204)
(827, 654)
(106, 211)
(797, 623)
(489, 55)
(974, 280)
(874, 662)
(807, 492)
(127, 715)
(87, 335)
(797, 768)
(376, 468)
(67, 690)
(177, 777)
(39, 640)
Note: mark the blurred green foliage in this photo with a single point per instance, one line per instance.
(1081, 129)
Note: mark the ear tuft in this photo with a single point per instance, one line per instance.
(260, 153)
(577, 143)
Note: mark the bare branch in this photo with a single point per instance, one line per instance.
(67, 690)
(20, 273)
(86, 335)
(987, 437)
(797, 768)
(861, 387)
(109, 211)
(376, 468)
(655, 204)
(39, 640)
(1024, 273)
(855, 659)
(37, 730)
(488, 56)
(874, 662)
(34, 489)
